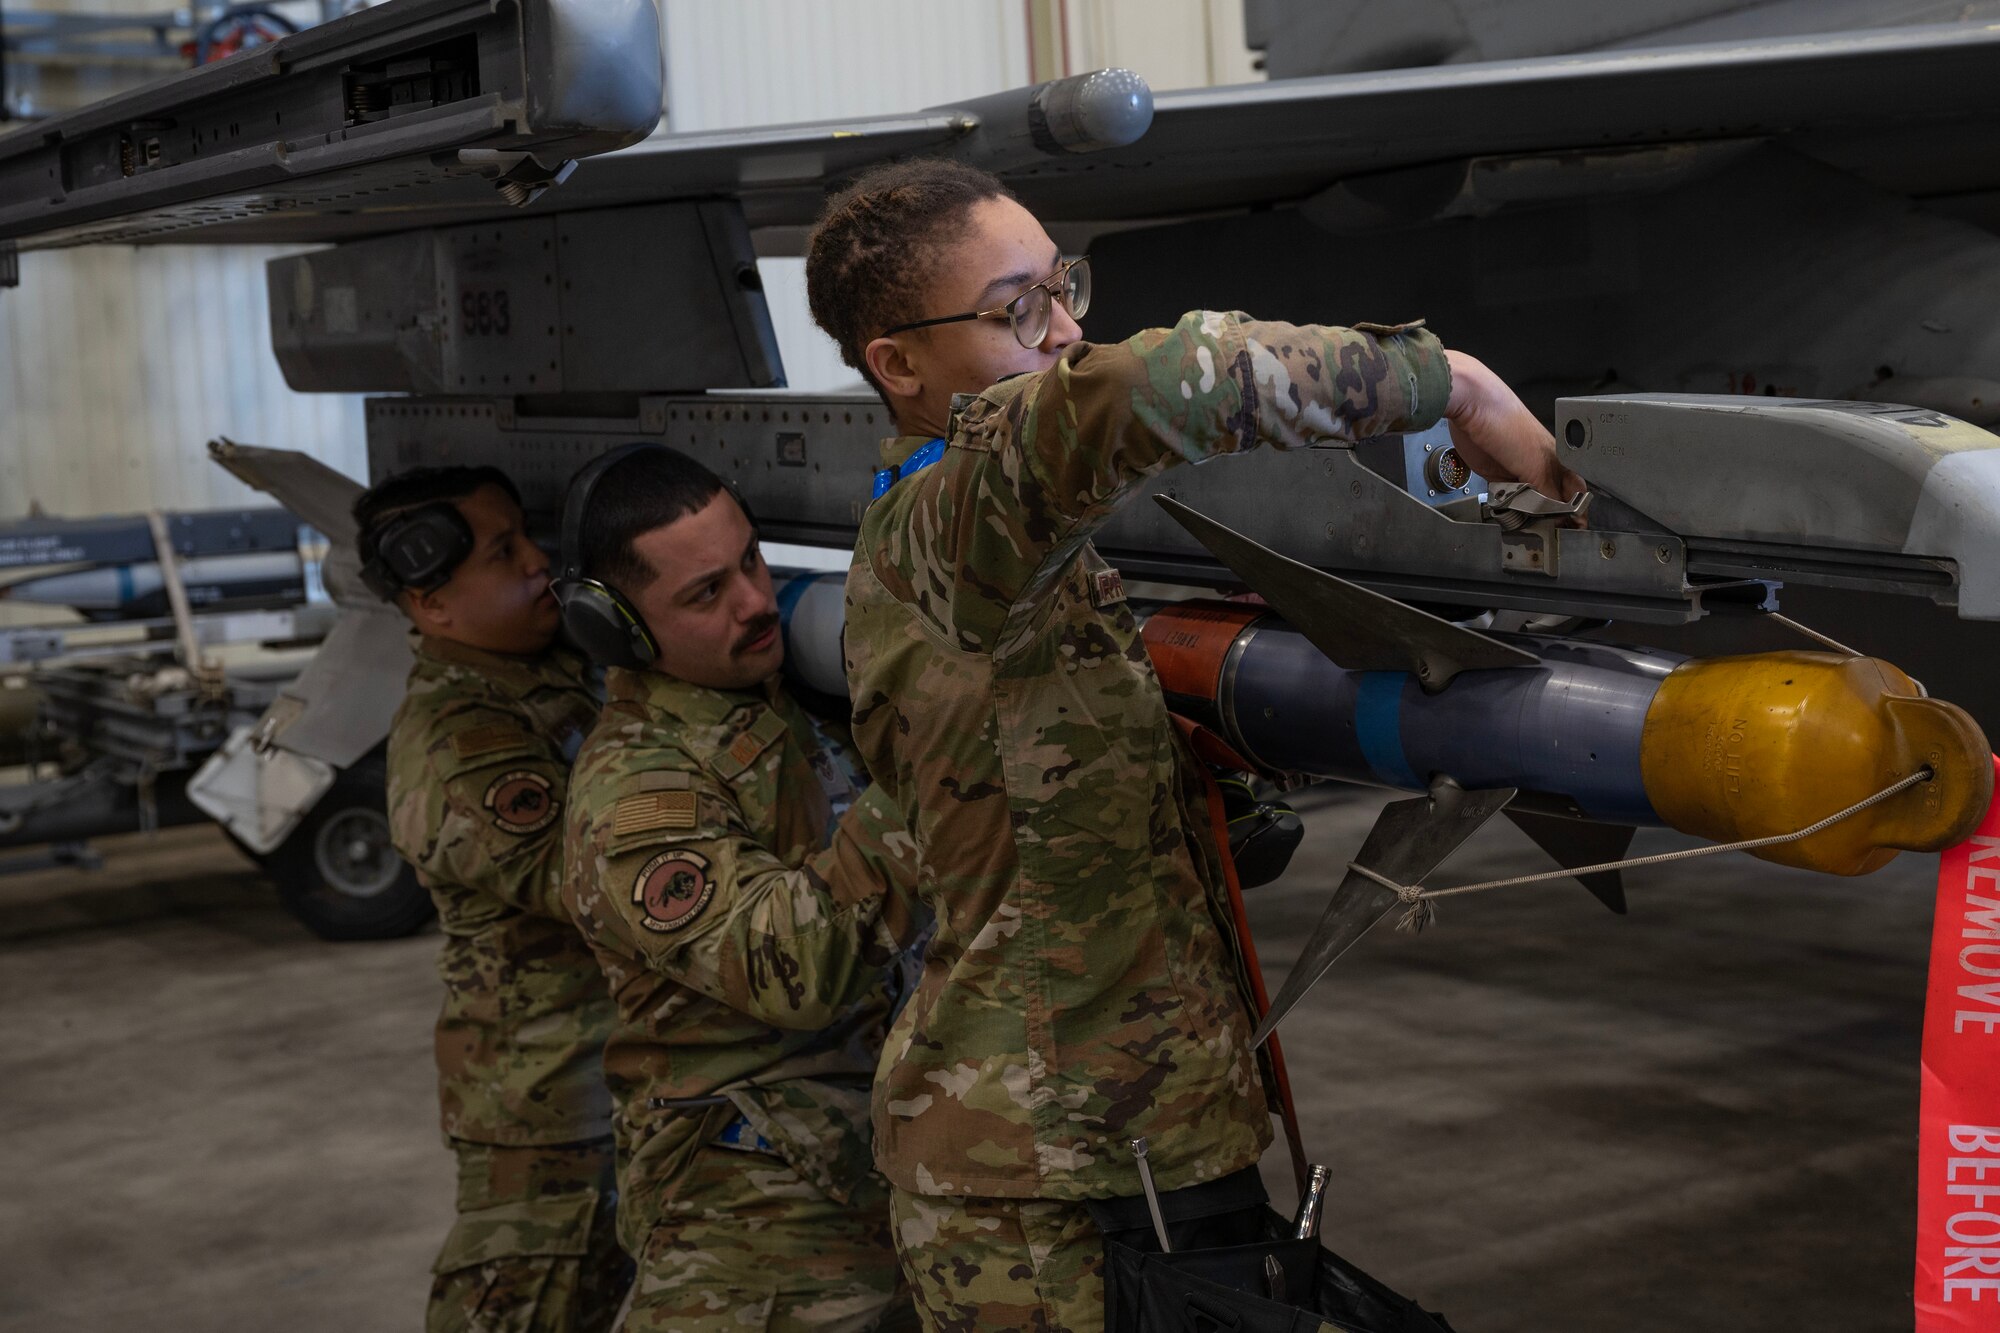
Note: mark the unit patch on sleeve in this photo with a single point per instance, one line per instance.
(1107, 588)
(672, 889)
(521, 801)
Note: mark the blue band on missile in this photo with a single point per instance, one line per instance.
(124, 584)
(1378, 725)
(789, 595)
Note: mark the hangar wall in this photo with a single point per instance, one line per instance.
(117, 364)
(868, 57)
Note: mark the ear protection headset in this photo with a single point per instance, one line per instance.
(596, 616)
(417, 549)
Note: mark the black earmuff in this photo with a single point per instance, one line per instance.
(597, 617)
(417, 550)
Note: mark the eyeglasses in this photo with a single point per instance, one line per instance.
(1029, 312)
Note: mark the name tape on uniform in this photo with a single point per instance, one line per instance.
(475, 741)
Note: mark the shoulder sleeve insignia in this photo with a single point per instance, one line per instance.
(1107, 588)
(671, 890)
(521, 801)
(653, 810)
(475, 741)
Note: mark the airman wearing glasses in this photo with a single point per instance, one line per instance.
(1083, 988)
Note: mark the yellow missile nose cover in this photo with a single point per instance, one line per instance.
(1749, 747)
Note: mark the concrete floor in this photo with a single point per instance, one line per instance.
(210, 1119)
(1539, 1116)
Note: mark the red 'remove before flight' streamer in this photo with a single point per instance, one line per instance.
(1958, 1147)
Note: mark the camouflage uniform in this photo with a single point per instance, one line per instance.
(478, 766)
(734, 886)
(1084, 986)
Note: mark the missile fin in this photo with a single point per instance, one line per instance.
(1577, 842)
(1410, 839)
(309, 488)
(1357, 629)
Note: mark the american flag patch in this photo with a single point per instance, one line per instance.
(653, 810)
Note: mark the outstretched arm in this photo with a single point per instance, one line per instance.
(1040, 461)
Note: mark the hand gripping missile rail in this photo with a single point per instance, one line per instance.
(1578, 742)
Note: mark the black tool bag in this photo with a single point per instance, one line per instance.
(1215, 1281)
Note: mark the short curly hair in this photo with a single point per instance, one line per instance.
(877, 246)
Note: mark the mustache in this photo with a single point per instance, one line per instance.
(758, 629)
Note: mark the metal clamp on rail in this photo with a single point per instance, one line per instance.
(1528, 520)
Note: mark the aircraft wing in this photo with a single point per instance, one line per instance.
(1927, 123)
(1914, 109)
(430, 112)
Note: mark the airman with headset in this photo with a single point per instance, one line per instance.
(746, 898)
(479, 758)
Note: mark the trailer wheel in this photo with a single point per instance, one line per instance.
(340, 874)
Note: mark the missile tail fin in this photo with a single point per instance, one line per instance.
(1357, 629)
(1410, 839)
(1576, 842)
(303, 484)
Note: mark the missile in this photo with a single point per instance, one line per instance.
(1357, 686)
(1587, 744)
(1082, 113)
(1724, 748)
(135, 591)
(1578, 742)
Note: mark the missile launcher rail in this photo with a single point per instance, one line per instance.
(463, 100)
(1703, 502)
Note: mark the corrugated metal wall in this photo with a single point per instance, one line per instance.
(116, 365)
(763, 62)
(1174, 43)
(767, 62)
